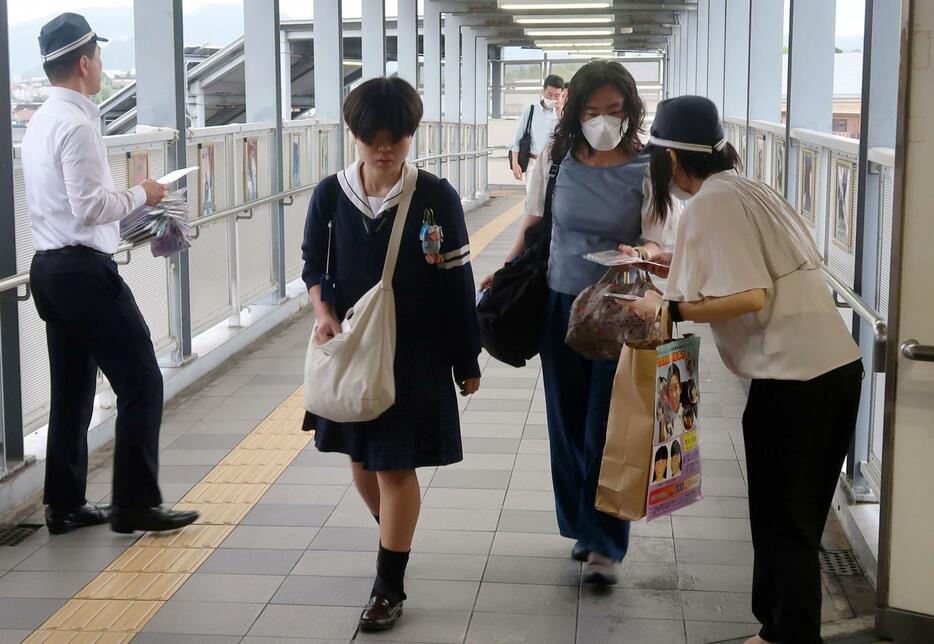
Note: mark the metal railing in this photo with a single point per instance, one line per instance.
(22, 279)
(880, 327)
(819, 174)
(231, 255)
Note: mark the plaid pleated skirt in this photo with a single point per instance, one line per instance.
(422, 428)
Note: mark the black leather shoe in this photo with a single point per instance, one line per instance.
(61, 521)
(579, 552)
(380, 614)
(157, 519)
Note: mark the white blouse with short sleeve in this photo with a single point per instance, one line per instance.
(735, 235)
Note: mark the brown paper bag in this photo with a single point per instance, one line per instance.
(624, 473)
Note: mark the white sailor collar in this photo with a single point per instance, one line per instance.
(352, 184)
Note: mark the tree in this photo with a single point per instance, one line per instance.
(107, 90)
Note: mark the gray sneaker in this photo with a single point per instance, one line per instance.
(600, 570)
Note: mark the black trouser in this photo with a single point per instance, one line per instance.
(93, 321)
(797, 435)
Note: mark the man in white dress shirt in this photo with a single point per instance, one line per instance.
(91, 317)
(544, 119)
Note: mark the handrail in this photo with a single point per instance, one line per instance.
(22, 279)
(883, 156)
(466, 155)
(776, 129)
(14, 281)
(880, 327)
(204, 220)
(826, 140)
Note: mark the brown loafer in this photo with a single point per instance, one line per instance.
(380, 614)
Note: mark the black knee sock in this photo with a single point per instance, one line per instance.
(390, 572)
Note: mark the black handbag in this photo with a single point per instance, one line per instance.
(510, 309)
(525, 144)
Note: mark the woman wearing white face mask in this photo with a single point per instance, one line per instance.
(600, 202)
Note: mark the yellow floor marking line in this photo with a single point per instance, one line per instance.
(120, 601)
(481, 239)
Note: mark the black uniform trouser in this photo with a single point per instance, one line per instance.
(93, 321)
(797, 434)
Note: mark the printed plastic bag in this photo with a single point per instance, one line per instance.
(600, 324)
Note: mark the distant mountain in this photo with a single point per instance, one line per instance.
(212, 24)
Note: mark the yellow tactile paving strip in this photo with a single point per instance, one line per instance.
(480, 239)
(119, 602)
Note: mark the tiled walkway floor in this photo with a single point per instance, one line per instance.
(487, 566)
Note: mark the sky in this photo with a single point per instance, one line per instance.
(849, 12)
(22, 11)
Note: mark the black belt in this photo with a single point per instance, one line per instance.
(72, 250)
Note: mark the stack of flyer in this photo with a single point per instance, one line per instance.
(164, 225)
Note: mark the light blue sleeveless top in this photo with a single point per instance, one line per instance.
(593, 209)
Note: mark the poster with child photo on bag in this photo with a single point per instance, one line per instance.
(675, 474)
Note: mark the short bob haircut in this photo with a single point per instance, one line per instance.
(383, 104)
(61, 69)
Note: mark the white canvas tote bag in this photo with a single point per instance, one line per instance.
(350, 378)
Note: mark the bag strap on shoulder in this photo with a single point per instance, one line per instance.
(333, 196)
(398, 225)
(550, 191)
(528, 123)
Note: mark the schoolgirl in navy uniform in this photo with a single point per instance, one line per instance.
(437, 331)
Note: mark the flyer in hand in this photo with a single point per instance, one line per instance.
(614, 258)
(675, 474)
(164, 225)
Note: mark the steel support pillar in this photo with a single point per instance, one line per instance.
(161, 92)
(262, 72)
(11, 400)
(407, 41)
(452, 92)
(373, 38)
(329, 67)
(432, 77)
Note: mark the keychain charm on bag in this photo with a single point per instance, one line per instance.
(431, 236)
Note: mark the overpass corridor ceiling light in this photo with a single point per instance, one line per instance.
(570, 32)
(519, 5)
(595, 44)
(564, 20)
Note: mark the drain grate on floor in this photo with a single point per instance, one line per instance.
(13, 535)
(839, 562)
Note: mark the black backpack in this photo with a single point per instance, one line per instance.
(511, 308)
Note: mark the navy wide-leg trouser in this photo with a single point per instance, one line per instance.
(577, 399)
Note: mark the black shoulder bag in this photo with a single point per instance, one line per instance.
(511, 308)
(525, 143)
